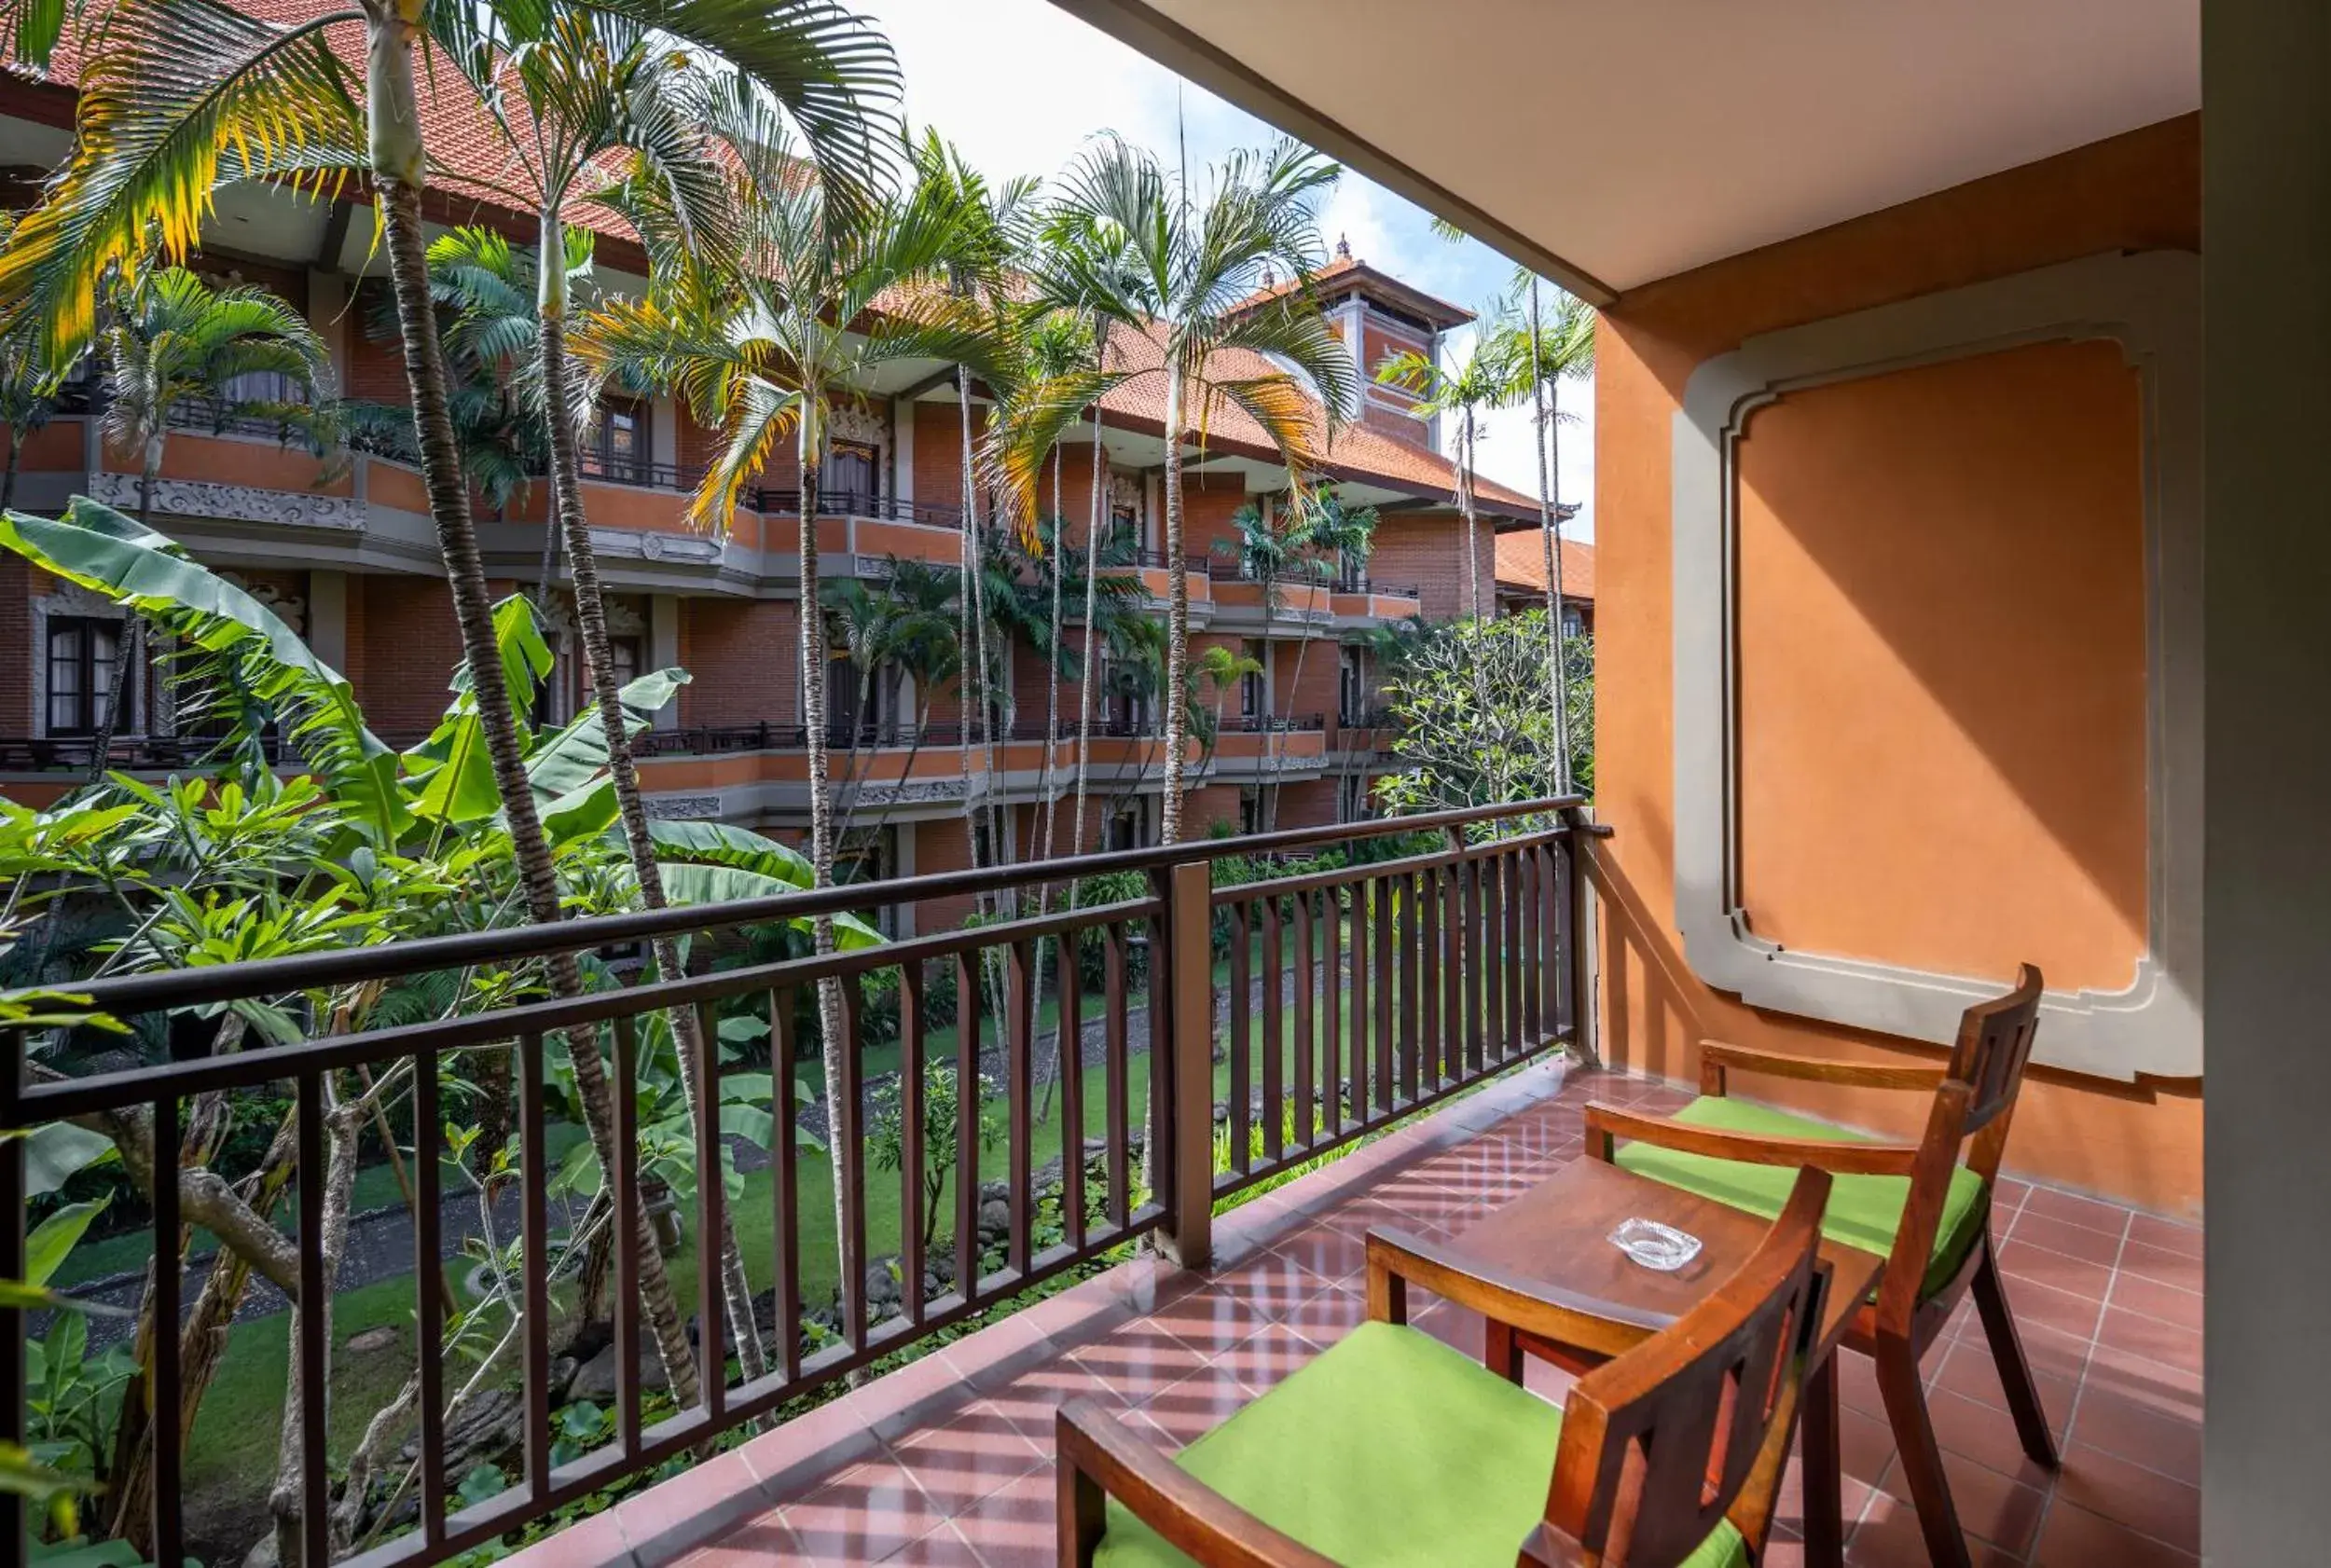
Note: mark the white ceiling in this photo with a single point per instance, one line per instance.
(1634, 139)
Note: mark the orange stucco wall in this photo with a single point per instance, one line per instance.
(1941, 623)
(1942, 666)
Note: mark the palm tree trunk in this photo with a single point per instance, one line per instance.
(1051, 671)
(1464, 509)
(591, 617)
(830, 1020)
(1177, 615)
(396, 159)
(132, 652)
(547, 573)
(976, 649)
(1091, 637)
(7, 475)
(1549, 534)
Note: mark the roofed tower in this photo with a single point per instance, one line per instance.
(1379, 317)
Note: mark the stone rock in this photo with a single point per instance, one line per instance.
(995, 1215)
(262, 1553)
(379, 1337)
(596, 1377)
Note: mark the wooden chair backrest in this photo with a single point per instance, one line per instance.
(1657, 1443)
(1994, 1042)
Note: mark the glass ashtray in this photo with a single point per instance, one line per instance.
(1655, 1245)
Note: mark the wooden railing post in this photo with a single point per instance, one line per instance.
(1187, 1053)
(1579, 846)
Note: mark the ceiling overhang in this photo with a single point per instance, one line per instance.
(1607, 147)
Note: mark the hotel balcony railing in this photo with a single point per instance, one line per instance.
(1273, 723)
(847, 503)
(1158, 561)
(131, 754)
(702, 740)
(1412, 978)
(1366, 719)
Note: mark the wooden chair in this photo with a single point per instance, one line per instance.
(1391, 1448)
(1926, 1212)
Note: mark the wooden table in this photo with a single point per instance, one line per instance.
(1558, 1234)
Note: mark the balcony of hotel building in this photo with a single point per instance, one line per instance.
(1898, 860)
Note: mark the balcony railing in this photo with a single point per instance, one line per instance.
(1273, 723)
(845, 503)
(1354, 996)
(1158, 561)
(712, 741)
(133, 753)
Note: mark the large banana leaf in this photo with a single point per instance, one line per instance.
(720, 845)
(686, 883)
(110, 554)
(572, 756)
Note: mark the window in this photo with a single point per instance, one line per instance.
(1127, 827)
(852, 481)
(1351, 686)
(1351, 798)
(83, 651)
(1253, 689)
(623, 454)
(1249, 808)
(1573, 624)
(623, 653)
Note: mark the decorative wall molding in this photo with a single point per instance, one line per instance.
(2149, 304)
(928, 792)
(637, 544)
(197, 497)
(683, 808)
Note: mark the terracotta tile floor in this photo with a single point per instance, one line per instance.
(949, 1460)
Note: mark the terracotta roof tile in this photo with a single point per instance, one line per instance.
(1522, 565)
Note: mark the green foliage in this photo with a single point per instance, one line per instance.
(942, 1119)
(1475, 715)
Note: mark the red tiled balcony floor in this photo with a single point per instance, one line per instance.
(949, 1460)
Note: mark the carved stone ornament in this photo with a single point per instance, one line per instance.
(683, 808)
(200, 497)
(937, 790)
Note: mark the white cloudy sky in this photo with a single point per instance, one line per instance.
(1019, 85)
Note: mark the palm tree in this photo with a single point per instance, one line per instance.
(485, 287)
(763, 350)
(1180, 274)
(1480, 382)
(182, 96)
(174, 342)
(922, 648)
(1545, 353)
(1298, 538)
(605, 95)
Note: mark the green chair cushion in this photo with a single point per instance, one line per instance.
(1387, 1450)
(1865, 1211)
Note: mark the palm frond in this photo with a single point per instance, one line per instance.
(179, 96)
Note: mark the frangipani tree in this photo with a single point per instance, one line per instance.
(1177, 274)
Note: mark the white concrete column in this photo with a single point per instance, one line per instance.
(2266, 210)
(327, 617)
(333, 321)
(902, 450)
(663, 648)
(664, 430)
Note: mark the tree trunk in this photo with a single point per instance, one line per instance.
(287, 1499)
(1085, 687)
(1550, 534)
(831, 1041)
(1177, 614)
(975, 645)
(591, 617)
(1464, 509)
(1052, 674)
(7, 475)
(390, 78)
(132, 652)
(547, 573)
